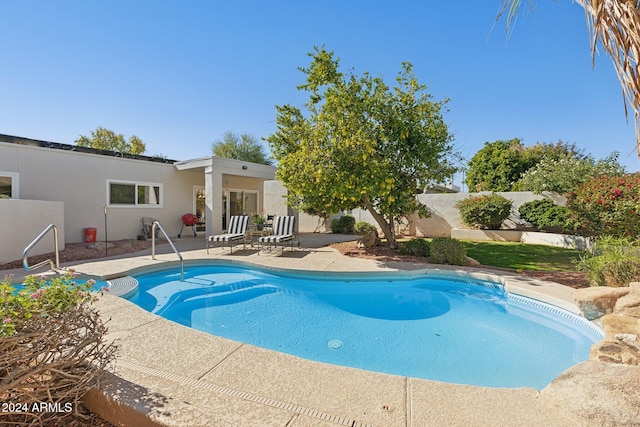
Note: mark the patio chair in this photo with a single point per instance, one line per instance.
(235, 232)
(282, 233)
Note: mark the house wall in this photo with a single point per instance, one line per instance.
(275, 198)
(79, 180)
(22, 221)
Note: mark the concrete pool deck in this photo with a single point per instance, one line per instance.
(172, 375)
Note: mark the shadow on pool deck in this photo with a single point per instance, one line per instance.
(169, 374)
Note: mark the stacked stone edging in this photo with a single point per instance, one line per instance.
(618, 310)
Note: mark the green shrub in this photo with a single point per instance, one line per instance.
(415, 247)
(343, 225)
(447, 251)
(363, 227)
(545, 215)
(612, 262)
(486, 212)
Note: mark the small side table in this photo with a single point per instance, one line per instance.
(250, 234)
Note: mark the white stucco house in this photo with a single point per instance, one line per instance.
(44, 183)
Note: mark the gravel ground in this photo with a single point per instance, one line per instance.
(82, 251)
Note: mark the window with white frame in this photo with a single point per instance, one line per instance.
(8, 185)
(142, 194)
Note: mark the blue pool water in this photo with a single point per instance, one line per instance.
(440, 328)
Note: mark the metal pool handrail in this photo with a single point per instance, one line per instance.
(25, 263)
(153, 246)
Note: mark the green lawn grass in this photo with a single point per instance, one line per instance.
(522, 256)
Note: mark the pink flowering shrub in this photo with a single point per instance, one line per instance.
(608, 205)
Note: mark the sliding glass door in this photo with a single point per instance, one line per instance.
(238, 202)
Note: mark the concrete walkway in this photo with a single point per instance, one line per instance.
(172, 375)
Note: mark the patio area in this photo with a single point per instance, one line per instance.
(168, 374)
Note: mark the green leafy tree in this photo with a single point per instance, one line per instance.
(246, 148)
(566, 173)
(105, 139)
(361, 143)
(497, 166)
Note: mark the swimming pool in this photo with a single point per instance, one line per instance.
(442, 328)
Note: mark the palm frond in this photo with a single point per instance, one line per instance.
(615, 25)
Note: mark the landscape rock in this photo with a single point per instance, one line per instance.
(627, 337)
(617, 323)
(597, 301)
(629, 304)
(369, 240)
(627, 353)
(598, 393)
(472, 262)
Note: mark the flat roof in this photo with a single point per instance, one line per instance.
(77, 148)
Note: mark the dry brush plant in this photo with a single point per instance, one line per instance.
(52, 350)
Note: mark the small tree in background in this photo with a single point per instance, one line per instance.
(496, 166)
(105, 139)
(499, 165)
(245, 147)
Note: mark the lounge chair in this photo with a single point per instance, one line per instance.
(282, 233)
(235, 232)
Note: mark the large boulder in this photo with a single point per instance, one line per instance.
(618, 323)
(600, 394)
(625, 351)
(597, 301)
(629, 304)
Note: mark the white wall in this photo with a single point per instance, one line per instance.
(79, 180)
(444, 215)
(21, 221)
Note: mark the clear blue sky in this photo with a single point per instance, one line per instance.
(178, 74)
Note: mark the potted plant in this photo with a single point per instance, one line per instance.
(259, 221)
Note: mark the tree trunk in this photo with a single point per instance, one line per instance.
(387, 227)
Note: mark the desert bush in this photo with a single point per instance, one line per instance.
(447, 251)
(343, 225)
(486, 212)
(612, 262)
(608, 205)
(363, 227)
(545, 215)
(52, 348)
(415, 247)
